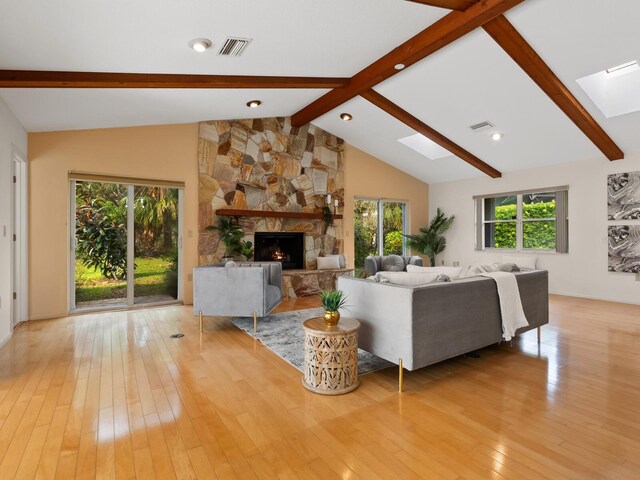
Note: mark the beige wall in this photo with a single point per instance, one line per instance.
(160, 152)
(366, 176)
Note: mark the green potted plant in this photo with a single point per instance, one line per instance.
(332, 301)
(430, 241)
(246, 249)
(231, 234)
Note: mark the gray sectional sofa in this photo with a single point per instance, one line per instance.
(427, 324)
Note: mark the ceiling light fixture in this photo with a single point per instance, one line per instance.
(399, 66)
(347, 117)
(200, 44)
(496, 136)
(254, 103)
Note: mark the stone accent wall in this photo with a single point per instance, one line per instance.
(265, 164)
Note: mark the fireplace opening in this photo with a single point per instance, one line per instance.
(284, 247)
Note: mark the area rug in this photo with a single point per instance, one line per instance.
(282, 333)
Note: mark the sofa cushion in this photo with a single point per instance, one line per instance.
(405, 278)
(392, 263)
(328, 263)
(451, 272)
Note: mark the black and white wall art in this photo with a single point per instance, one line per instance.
(623, 192)
(624, 248)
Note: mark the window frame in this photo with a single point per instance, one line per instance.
(380, 227)
(561, 220)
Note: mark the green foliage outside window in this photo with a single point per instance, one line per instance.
(393, 243)
(537, 235)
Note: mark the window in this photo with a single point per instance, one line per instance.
(533, 220)
(379, 226)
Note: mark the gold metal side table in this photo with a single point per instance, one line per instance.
(331, 356)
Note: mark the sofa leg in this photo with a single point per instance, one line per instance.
(201, 321)
(255, 322)
(400, 377)
(538, 335)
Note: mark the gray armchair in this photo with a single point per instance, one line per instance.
(373, 264)
(248, 289)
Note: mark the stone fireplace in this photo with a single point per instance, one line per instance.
(284, 247)
(266, 166)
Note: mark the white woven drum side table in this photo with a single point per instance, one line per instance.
(331, 356)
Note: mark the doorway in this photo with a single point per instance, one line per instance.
(19, 245)
(125, 244)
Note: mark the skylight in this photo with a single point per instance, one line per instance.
(616, 90)
(424, 146)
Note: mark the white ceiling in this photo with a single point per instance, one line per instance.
(465, 83)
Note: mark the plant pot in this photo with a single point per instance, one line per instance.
(331, 318)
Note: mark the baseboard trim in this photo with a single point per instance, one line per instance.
(48, 316)
(4, 341)
(591, 297)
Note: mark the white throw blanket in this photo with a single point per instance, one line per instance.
(513, 316)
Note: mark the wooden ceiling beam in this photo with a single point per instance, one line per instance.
(421, 127)
(448, 29)
(460, 5)
(505, 34)
(55, 79)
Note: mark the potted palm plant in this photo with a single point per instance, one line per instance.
(430, 241)
(332, 301)
(231, 234)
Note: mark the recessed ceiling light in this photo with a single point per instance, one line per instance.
(200, 44)
(254, 103)
(347, 117)
(399, 66)
(496, 136)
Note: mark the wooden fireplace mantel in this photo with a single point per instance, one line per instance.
(271, 214)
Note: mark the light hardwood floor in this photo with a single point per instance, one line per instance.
(111, 395)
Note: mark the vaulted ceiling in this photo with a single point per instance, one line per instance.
(468, 81)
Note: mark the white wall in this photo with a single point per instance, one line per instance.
(583, 271)
(12, 135)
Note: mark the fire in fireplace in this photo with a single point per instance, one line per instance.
(285, 247)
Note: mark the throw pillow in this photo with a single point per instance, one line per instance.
(507, 267)
(328, 263)
(342, 259)
(451, 272)
(230, 264)
(392, 263)
(521, 261)
(405, 278)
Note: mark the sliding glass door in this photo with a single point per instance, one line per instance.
(155, 244)
(125, 244)
(379, 227)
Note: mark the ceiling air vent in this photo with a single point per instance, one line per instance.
(481, 126)
(234, 46)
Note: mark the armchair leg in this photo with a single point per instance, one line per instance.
(538, 335)
(255, 322)
(201, 321)
(400, 377)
